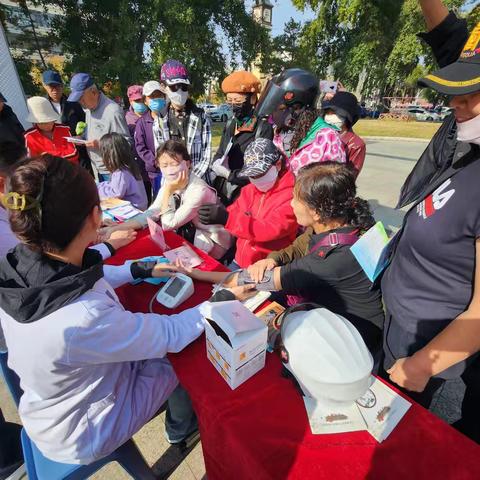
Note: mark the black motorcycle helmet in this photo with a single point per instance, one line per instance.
(292, 86)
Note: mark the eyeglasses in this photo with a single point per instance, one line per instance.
(178, 86)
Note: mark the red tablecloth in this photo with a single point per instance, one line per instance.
(260, 430)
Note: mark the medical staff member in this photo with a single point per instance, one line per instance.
(431, 288)
(92, 373)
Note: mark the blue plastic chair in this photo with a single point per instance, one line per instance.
(11, 378)
(41, 468)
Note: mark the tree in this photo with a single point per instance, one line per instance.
(287, 50)
(125, 41)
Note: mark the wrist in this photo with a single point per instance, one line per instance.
(421, 362)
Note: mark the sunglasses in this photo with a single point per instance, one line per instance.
(235, 104)
(178, 86)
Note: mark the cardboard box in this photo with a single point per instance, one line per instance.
(236, 341)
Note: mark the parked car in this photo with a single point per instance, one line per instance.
(208, 107)
(222, 113)
(423, 115)
(443, 112)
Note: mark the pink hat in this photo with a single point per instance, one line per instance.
(134, 92)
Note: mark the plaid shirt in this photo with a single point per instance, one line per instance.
(198, 141)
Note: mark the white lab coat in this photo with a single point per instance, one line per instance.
(93, 373)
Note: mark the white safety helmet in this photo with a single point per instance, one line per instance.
(326, 355)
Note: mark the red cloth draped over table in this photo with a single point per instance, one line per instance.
(260, 430)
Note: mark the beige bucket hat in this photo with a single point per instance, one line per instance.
(40, 110)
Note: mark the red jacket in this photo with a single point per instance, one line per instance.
(262, 222)
(355, 148)
(37, 143)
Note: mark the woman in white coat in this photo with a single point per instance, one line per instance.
(92, 373)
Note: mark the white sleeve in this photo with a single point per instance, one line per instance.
(115, 335)
(102, 249)
(119, 275)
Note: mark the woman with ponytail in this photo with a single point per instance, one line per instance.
(92, 373)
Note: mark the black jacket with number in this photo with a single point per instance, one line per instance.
(447, 41)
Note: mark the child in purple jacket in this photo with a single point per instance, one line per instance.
(126, 180)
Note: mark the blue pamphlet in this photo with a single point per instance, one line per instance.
(372, 251)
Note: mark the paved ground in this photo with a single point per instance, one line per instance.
(388, 164)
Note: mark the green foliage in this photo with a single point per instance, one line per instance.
(126, 41)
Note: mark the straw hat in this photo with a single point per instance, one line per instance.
(40, 110)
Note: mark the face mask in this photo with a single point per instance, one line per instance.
(267, 181)
(334, 120)
(171, 173)
(243, 110)
(139, 108)
(178, 98)
(156, 104)
(469, 131)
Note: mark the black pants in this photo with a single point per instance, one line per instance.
(469, 424)
(11, 454)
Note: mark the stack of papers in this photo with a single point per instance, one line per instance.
(184, 253)
(379, 411)
(122, 212)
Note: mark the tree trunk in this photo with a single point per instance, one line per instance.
(26, 10)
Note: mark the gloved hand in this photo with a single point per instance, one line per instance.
(213, 214)
(219, 169)
(80, 128)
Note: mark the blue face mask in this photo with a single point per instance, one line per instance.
(157, 104)
(139, 108)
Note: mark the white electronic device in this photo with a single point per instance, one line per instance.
(178, 289)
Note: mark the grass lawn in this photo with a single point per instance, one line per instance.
(370, 128)
(396, 128)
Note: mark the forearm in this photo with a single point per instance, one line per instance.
(434, 12)
(212, 277)
(454, 344)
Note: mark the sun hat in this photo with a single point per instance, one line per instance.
(40, 110)
(461, 77)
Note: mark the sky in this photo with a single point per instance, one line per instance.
(283, 10)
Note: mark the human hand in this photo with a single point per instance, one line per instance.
(119, 238)
(213, 214)
(108, 222)
(219, 169)
(92, 144)
(164, 270)
(407, 373)
(179, 183)
(258, 269)
(243, 292)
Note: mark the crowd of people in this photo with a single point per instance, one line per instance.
(277, 200)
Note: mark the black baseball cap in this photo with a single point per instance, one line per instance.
(461, 77)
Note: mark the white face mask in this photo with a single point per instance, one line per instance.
(469, 131)
(334, 119)
(267, 181)
(178, 98)
(171, 173)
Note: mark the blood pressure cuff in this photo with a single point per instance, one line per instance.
(142, 269)
(266, 284)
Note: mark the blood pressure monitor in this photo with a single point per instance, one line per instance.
(178, 289)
